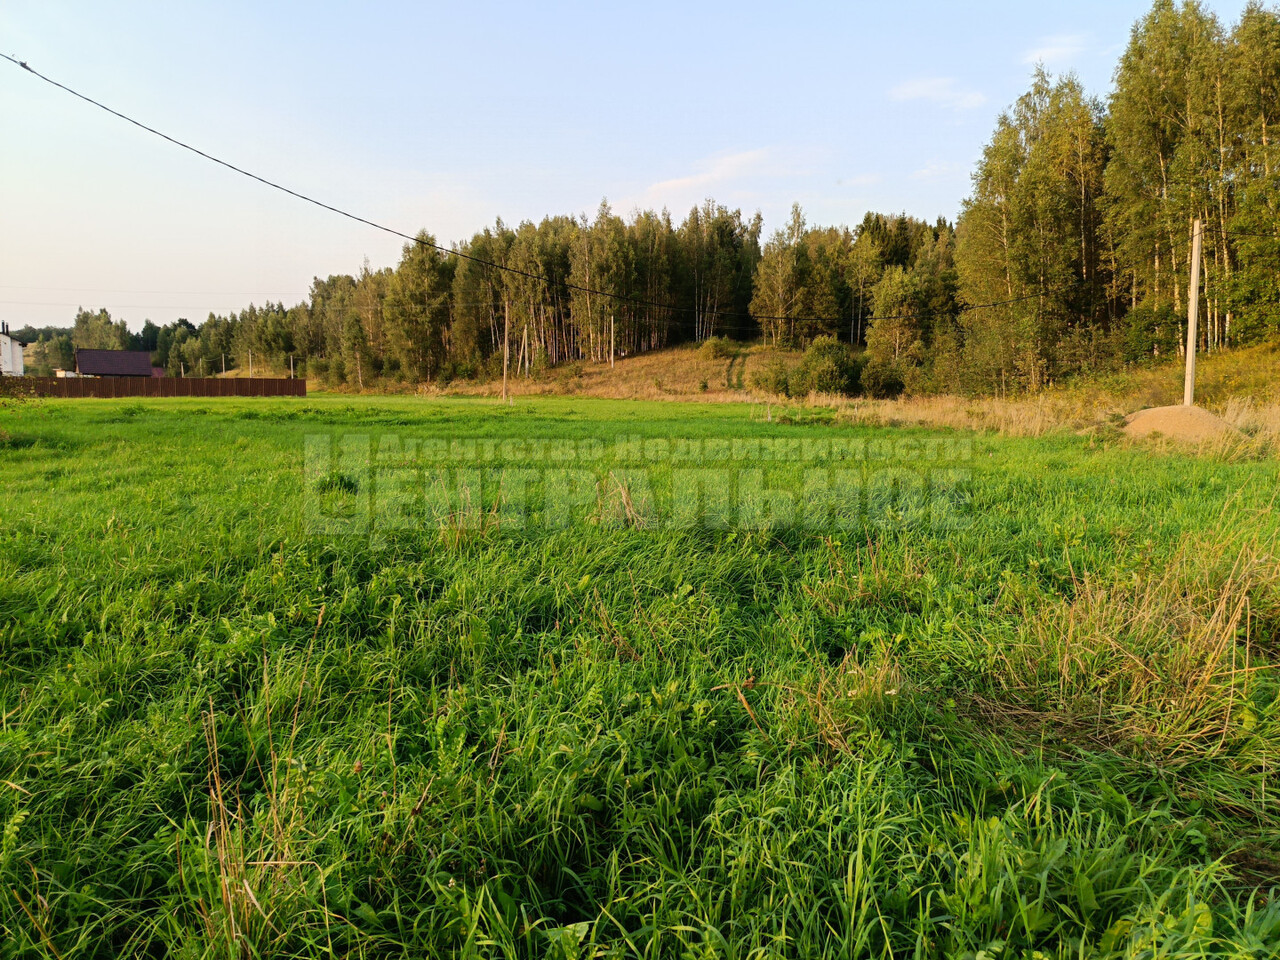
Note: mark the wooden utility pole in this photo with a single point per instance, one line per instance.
(251, 363)
(291, 366)
(224, 364)
(506, 344)
(1193, 310)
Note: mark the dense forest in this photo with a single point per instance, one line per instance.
(1072, 254)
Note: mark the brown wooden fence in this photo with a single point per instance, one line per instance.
(152, 387)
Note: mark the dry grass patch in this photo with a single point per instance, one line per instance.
(1255, 433)
(1031, 416)
(1176, 663)
(1240, 386)
(839, 699)
(722, 372)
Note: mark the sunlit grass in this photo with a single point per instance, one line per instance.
(1052, 728)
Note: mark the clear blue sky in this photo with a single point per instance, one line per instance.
(445, 116)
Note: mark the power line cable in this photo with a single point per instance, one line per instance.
(1240, 233)
(338, 210)
(625, 298)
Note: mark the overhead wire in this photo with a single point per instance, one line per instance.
(516, 271)
(754, 318)
(1240, 233)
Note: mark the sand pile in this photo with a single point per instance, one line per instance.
(1191, 424)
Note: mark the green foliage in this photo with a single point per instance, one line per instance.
(713, 257)
(417, 310)
(781, 275)
(827, 366)
(821, 281)
(225, 735)
(51, 353)
(1080, 216)
(718, 348)
(1189, 136)
(1152, 333)
(337, 482)
(898, 332)
(97, 331)
(1029, 234)
(1254, 289)
(882, 378)
(772, 377)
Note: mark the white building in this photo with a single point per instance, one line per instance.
(10, 353)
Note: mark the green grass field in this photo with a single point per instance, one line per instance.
(255, 706)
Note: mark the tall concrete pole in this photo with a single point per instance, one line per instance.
(506, 344)
(1193, 312)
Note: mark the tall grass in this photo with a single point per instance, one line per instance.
(1050, 731)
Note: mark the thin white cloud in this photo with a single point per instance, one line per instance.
(1056, 50)
(717, 171)
(944, 91)
(939, 170)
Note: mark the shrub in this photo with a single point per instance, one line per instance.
(717, 348)
(882, 379)
(772, 378)
(828, 366)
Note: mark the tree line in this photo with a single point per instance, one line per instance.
(563, 290)
(1071, 254)
(1082, 212)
